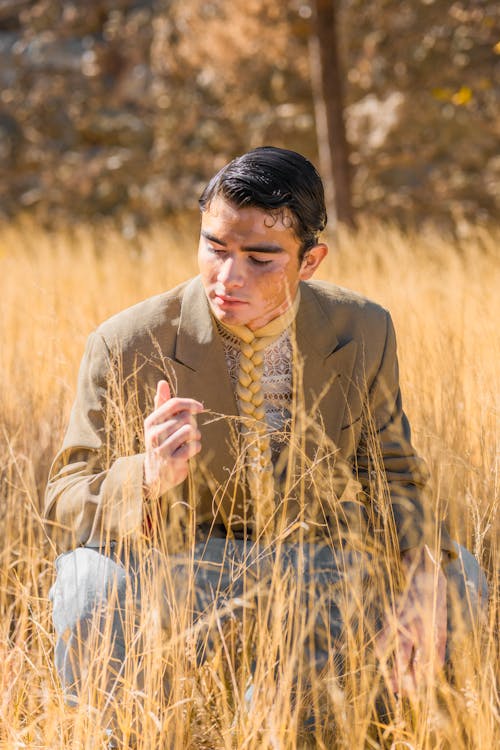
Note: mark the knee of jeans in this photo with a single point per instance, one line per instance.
(467, 589)
(86, 581)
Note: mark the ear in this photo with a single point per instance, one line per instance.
(311, 260)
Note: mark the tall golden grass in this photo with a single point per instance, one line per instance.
(57, 286)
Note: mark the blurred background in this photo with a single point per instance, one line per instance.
(113, 115)
(124, 108)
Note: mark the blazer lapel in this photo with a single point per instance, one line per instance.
(200, 349)
(327, 361)
(327, 364)
(201, 372)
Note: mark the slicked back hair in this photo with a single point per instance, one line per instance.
(281, 182)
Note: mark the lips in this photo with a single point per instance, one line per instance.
(228, 300)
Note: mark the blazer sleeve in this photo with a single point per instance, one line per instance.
(392, 474)
(93, 496)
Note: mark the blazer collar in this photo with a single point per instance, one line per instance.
(325, 377)
(199, 348)
(328, 364)
(314, 329)
(197, 335)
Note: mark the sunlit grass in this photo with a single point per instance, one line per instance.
(55, 287)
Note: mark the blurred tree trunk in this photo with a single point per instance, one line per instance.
(327, 82)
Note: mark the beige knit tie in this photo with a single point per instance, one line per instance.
(259, 474)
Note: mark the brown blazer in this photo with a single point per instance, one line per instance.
(348, 370)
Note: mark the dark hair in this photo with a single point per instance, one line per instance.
(274, 179)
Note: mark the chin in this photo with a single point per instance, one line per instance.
(225, 316)
(232, 319)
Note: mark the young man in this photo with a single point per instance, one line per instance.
(265, 409)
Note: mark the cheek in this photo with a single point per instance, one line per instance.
(206, 264)
(273, 287)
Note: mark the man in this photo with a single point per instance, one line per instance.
(249, 414)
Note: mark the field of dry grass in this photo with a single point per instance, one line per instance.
(444, 299)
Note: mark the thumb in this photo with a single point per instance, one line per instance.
(162, 393)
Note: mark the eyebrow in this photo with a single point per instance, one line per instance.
(264, 248)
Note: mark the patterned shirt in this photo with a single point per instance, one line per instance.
(276, 380)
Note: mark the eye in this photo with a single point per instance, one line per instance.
(216, 250)
(258, 261)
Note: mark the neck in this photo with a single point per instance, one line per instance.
(273, 329)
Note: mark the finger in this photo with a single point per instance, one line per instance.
(394, 654)
(162, 393)
(158, 433)
(187, 451)
(441, 619)
(175, 406)
(416, 664)
(183, 435)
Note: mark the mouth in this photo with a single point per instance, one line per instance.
(227, 300)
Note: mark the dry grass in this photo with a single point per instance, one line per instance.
(444, 299)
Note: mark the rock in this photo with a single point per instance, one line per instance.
(45, 53)
(370, 120)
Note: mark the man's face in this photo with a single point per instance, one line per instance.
(249, 263)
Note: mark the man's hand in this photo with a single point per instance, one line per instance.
(172, 438)
(413, 639)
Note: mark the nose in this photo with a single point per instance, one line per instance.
(231, 273)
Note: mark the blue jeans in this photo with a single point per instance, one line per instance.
(94, 591)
